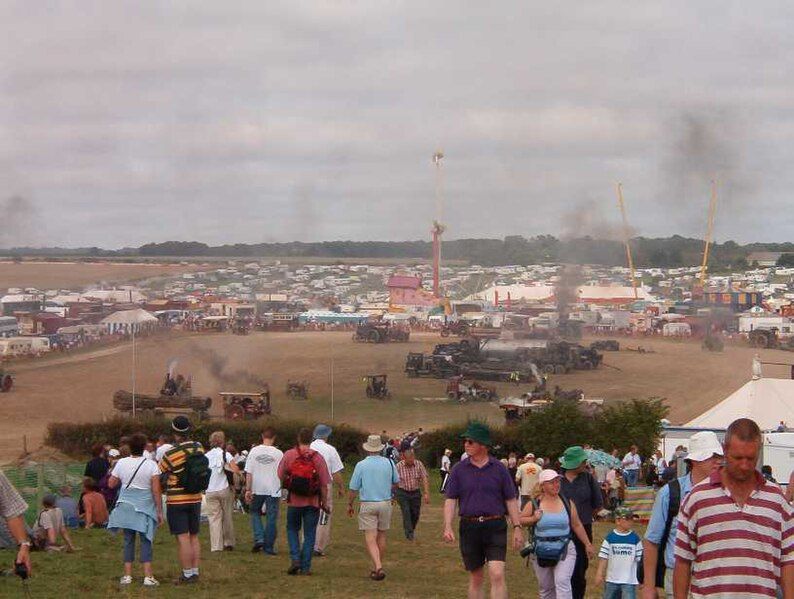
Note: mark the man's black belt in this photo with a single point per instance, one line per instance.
(481, 518)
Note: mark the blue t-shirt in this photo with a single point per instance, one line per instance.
(658, 519)
(373, 478)
(69, 508)
(623, 551)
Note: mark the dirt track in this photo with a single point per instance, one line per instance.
(79, 387)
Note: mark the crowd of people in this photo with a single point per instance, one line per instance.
(721, 529)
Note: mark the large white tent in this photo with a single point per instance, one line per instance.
(767, 401)
(126, 321)
(586, 294)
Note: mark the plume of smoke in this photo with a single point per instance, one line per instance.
(565, 289)
(172, 364)
(18, 216)
(588, 218)
(704, 147)
(216, 364)
(305, 217)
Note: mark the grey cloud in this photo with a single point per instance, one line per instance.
(134, 122)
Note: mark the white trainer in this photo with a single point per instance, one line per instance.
(150, 581)
(124, 580)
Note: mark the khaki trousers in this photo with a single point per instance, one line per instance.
(219, 508)
(323, 537)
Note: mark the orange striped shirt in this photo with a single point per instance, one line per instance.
(173, 462)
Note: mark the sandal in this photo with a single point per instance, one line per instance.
(377, 574)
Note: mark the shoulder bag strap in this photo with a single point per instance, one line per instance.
(134, 473)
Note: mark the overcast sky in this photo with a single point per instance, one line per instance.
(123, 123)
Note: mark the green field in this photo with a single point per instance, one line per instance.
(426, 568)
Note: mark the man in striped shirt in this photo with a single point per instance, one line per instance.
(412, 474)
(735, 529)
(183, 509)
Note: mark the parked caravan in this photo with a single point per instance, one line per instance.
(11, 347)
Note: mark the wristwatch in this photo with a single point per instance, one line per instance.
(23, 544)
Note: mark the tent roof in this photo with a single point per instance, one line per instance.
(136, 316)
(767, 401)
(540, 293)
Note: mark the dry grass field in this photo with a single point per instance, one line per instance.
(79, 387)
(70, 275)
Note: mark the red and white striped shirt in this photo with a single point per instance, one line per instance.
(411, 476)
(735, 551)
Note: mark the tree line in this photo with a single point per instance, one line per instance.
(663, 252)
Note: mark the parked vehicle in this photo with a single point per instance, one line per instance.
(377, 387)
(245, 406)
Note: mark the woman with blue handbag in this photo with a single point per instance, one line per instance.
(139, 509)
(554, 520)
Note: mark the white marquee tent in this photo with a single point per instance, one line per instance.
(767, 401)
(127, 321)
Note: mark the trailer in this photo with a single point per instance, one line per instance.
(161, 405)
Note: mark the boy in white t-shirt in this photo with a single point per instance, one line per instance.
(619, 556)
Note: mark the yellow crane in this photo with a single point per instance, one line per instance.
(626, 235)
(709, 232)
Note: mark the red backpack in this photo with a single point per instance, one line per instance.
(302, 477)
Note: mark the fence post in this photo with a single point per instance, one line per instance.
(40, 492)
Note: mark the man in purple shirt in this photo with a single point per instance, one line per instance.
(483, 490)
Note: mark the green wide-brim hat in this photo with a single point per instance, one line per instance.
(478, 432)
(572, 457)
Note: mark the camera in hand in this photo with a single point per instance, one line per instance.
(527, 550)
(21, 570)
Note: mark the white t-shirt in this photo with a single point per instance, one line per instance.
(160, 451)
(149, 455)
(631, 462)
(125, 468)
(218, 480)
(330, 455)
(446, 463)
(262, 464)
(623, 551)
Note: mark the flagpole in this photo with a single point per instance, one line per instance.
(133, 370)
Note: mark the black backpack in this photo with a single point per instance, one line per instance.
(673, 506)
(195, 476)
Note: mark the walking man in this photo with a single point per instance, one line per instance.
(373, 480)
(263, 491)
(188, 476)
(580, 487)
(527, 478)
(446, 466)
(735, 529)
(631, 465)
(412, 474)
(304, 474)
(335, 467)
(220, 496)
(704, 458)
(483, 491)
